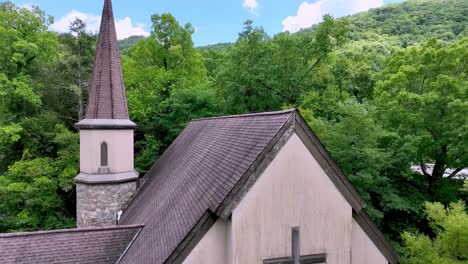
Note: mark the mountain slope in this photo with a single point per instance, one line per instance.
(414, 20)
(125, 44)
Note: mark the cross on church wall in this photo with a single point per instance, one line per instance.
(295, 257)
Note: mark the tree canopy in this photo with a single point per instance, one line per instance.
(450, 242)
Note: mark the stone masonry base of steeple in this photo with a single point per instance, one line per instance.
(98, 205)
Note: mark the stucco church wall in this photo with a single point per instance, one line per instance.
(120, 150)
(293, 191)
(364, 250)
(214, 246)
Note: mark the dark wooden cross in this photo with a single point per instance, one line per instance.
(296, 257)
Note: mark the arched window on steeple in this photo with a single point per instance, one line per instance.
(104, 155)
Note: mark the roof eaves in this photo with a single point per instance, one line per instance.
(369, 227)
(346, 188)
(72, 230)
(197, 232)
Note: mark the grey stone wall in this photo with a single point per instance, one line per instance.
(97, 205)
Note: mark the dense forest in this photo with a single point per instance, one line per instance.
(384, 90)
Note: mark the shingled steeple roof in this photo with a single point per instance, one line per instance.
(107, 95)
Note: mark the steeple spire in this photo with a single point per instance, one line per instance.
(107, 178)
(107, 95)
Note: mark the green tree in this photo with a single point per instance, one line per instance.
(164, 61)
(68, 77)
(422, 96)
(244, 79)
(38, 154)
(264, 74)
(355, 66)
(367, 154)
(25, 42)
(450, 242)
(167, 86)
(25, 47)
(82, 57)
(36, 192)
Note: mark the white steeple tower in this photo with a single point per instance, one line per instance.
(107, 178)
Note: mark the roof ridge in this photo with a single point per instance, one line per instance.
(70, 230)
(248, 115)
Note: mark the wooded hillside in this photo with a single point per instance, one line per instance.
(384, 90)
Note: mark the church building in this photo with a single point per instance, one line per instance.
(247, 189)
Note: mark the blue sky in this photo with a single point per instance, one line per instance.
(214, 20)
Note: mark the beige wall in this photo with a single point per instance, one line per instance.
(364, 250)
(292, 191)
(120, 149)
(214, 246)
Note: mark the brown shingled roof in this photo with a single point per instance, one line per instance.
(107, 95)
(195, 174)
(74, 246)
(201, 177)
(205, 173)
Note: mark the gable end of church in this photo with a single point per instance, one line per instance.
(294, 126)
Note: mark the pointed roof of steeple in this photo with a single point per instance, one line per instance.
(107, 94)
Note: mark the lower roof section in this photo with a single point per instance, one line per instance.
(78, 246)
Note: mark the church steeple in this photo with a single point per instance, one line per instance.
(107, 95)
(107, 178)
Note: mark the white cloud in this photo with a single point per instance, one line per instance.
(62, 25)
(251, 4)
(307, 15)
(125, 28)
(312, 13)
